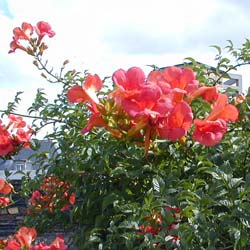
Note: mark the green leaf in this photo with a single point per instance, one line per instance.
(156, 185)
(218, 48)
(35, 144)
(109, 200)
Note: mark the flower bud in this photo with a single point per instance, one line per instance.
(65, 62)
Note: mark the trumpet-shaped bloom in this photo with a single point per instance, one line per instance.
(77, 94)
(22, 137)
(163, 106)
(174, 82)
(4, 201)
(16, 121)
(16, 45)
(13, 135)
(176, 125)
(131, 79)
(22, 239)
(86, 92)
(207, 93)
(36, 196)
(6, 144)
(94, 120)
(142, 101)
(209, 133)
(51, 190)
(24, 32)
(181, 78)
(157, 77)
(5, 187)
(128, 83)
(43, 28)
(222, 110)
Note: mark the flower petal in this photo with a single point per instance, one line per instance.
(77, 94)
(209, 133)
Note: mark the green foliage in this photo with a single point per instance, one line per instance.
(117, 188)
(13, 105)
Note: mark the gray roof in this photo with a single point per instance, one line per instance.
(26, 153)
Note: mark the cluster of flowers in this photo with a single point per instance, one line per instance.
(153, 225)
(52, 195)
(140, 106)
(24, 239)
(34, 43)
(158, 105)
(5, 189)
(13, 136)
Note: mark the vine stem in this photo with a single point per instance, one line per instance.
(42, 66)
(33, 117)
(234, 67)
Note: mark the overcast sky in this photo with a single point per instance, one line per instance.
(102, 36)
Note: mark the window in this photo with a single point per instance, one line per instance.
(20, 166)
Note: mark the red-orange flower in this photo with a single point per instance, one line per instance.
(23, 33)
(177, 123)
(13, 136)
(72, 199)
(5, 187)
(210, 131)
(52, 195)
(95, 120)
(16, 121)
(179, 78)
(154, 106)
(209, 94)
(22, 136)
(4, 201)
(239, 99)
(57, 244)
(26, 236)
(6, 144)
(128, 80)
(222, 110)
(16, 45)
(22, 239)
(153, 225)
(142, 101)
(32, 43)
(36, 196)
(12, 244)
(156, 100)
(43, 28)
(86, 92)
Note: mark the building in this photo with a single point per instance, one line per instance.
(25, 161)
